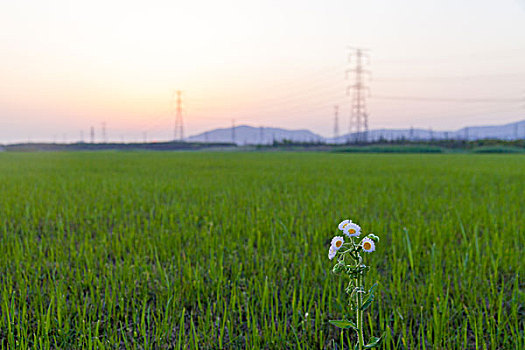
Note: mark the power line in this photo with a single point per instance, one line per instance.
(447, 99)
(292, 101)
(386, 79)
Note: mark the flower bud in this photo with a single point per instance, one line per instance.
(373, 237)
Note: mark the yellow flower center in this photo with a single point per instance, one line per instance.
(367, 245)
(338, 244)
(345, 225)
(352, 231)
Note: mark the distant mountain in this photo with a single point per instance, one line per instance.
(510, 131)
(249, 135)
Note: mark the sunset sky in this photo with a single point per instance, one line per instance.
(66, 66)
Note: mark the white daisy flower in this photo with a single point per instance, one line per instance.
(337, 242)
(352, 230)
(368, 245)
(331, 253)
(344, 224)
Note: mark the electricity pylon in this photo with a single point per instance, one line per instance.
(336, 123)
(358, 112)
(179, 128)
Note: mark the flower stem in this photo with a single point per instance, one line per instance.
(360, 324)
(359, 299)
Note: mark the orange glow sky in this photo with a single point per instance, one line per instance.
(67, 66)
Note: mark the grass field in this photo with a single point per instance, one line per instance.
(229, 250)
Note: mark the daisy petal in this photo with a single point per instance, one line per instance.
(368, 245)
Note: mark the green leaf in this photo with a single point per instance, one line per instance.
(372, 289)
(367, 303)
(344, 324)
(375, 342)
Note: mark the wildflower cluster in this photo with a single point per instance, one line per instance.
(359, 298)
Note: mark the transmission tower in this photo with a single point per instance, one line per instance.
(233, 130)
(104, 138)
(336, 123)
(358, 111)
(179, 128)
